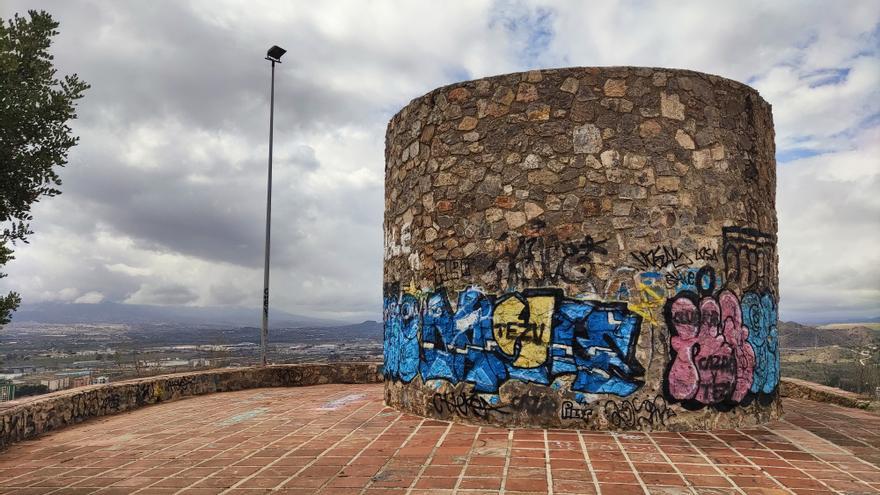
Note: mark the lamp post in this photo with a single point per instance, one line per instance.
(273, 55)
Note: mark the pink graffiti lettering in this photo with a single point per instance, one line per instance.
(736, 334)
(713, 362)
(683, 376)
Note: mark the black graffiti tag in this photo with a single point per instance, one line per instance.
(571, 410)
(628, 414)
(706, 254)
(661, 257)
(540, 261)
(464, 404)
(749, 258)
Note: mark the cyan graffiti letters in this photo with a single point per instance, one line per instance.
(700, 280)
(759, 316)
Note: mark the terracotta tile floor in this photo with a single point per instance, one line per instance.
(340, 439)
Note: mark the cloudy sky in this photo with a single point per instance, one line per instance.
(164, 197)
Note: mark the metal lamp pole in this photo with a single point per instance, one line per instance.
(273, 55)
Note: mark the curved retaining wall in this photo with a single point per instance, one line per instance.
(27, 418)
(802, 389)
(583, 248)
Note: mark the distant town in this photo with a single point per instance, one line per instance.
(37, 358)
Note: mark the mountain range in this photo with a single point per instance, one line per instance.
(794, 335)
(111, 312)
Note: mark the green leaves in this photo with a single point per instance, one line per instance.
(11, 301)
(35, 138)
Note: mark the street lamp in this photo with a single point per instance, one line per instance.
(273, 55)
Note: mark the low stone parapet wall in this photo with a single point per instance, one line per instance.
(802, 389)
(30, 417)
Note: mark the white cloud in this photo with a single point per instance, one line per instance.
(829, 230)
(92, 297)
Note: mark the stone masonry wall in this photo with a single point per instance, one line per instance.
(27, 418)
(583, 248)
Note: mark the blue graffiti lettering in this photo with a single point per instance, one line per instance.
(759, 315)
(592, 340)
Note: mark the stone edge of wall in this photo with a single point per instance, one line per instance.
(27, 418)
(802, 389)
(584, 68)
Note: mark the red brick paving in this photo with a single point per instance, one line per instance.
(340, 439)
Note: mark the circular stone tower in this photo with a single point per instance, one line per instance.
(587, 248)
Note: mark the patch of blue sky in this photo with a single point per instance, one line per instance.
(870, 121)
(792, 154)
(824, 77)
(540, 35)
(801, 145)
(871, 42)
(530, 28)
(457, 73)
(808, 39)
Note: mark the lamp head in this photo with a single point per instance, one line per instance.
(274, 54)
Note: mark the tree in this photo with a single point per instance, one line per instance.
(35, 109)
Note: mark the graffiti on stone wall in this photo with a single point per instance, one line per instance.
(545, 261)
(722, 336)
(661, 257)
(451, 269)
(643, 292)
(759, 316)
(631, 414)
(534, 336)
(749, 257)
(402, 321)
(464, 404)
(724, 349)
(702, 280)
(572, 410)
(711, 364)
(706, 254)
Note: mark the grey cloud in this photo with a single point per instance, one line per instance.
(172, 165)
(227, 295)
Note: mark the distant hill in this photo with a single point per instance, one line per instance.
(794, 335)
(110, 312)
(873, 325)
(822, 322)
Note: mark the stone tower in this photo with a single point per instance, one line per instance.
(585, 248)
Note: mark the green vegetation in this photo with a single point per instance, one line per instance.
(35, 108)
(852, 376)
(844, 355)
